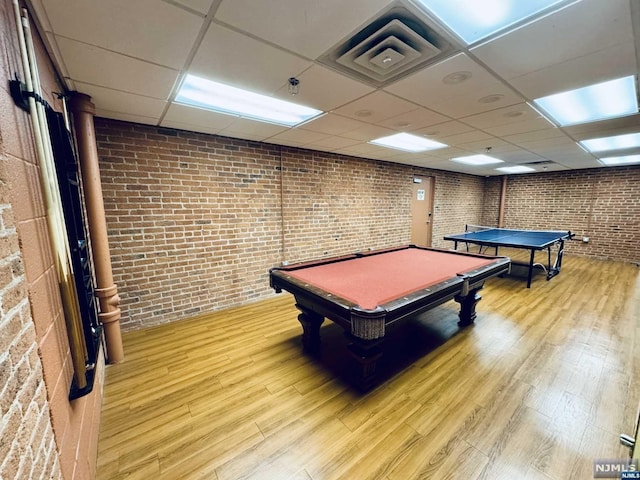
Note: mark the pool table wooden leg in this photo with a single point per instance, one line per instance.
(366, 354)
(310, 322)
(468, 306)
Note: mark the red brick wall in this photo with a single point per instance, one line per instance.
(602, 204)
(42, 434)
(195, 221)
(333, 204)
(27, 444)
(459, 201)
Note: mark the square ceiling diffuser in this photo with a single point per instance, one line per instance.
(397, 42)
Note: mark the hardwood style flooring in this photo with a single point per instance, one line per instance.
(538, 388)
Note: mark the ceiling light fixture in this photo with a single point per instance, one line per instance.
(614, 98)
(477, 160)
(516, 169)
(472, 20)
(407, 142)
(615, 161)
(209, 95)
(617, 142)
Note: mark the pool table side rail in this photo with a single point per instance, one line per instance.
(343, 311)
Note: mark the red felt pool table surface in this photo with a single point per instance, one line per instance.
(374, 280)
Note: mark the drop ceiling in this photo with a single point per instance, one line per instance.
(131, 56)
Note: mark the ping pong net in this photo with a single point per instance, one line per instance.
(477, 228)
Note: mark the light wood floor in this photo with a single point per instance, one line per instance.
(542, 384)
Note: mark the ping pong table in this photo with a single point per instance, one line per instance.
(532, 240)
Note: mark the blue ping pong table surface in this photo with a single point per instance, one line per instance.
(536, 239)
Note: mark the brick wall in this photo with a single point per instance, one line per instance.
(332, 204)
(602, 204)
(459, 201)
(195, 221)
(27, 444)
(42, 434)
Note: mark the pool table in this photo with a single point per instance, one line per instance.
(367, 292)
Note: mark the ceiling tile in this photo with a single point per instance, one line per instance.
(308, 27)
(325, 89)
(519, 157)
(419, 118)
(196, 119)
(447, 153)
(581, 29)
(128, 56)
(523, 138)
(200, 6)
(455, 99)
(251, 130)
(443, 130)
(299, 136)
(511, 120)
(584, 161)
(230, 57)
(605, 128)
(125, 117)
(333, 143)
(365, 149)
(376, 107)
(613, 62)
(533, 145)
(96, 66)
(367, 133)
(332, 124)
(467, 137)
(519, 127)
(147, 29)
(123, 102)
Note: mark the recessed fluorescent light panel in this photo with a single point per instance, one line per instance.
(618, 142)
(407, 142)
(516, 169)
(615, 98)
(476, 160)
(202, 93)
(627, 160)
(473, 20)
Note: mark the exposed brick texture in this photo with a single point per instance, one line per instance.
(602, 204)
(26, 436)
(196, 221)
(42, 434)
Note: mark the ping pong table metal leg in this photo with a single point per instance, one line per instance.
(530, 275)
(555, 269)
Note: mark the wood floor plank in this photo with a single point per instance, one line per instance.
(538, 388)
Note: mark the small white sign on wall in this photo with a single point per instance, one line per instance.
(420, 195)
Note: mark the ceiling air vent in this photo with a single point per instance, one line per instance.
(539, 162)
(397, 42)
